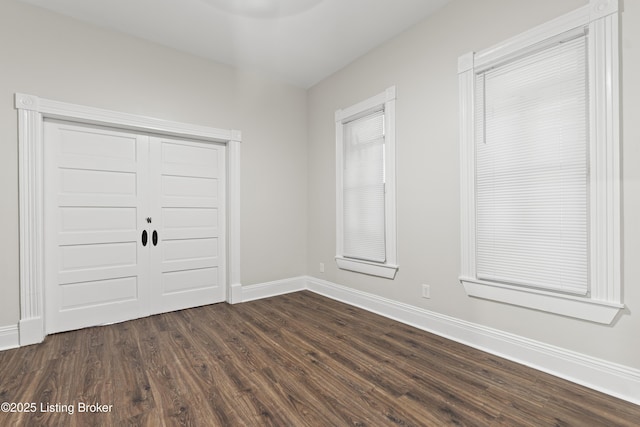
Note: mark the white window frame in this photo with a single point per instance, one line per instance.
(383, 101)
(604, 299)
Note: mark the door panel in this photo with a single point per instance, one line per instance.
(96, 195)
(185, 160)
(83, 219)
(189, 223)
(101, 292)
(187, 181)
(106, 188)
(78, 182)
(187, 280)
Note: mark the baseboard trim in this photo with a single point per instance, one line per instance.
(9, 337)
(613, 379)
(275, 288)
(31, 331)
(235, 294)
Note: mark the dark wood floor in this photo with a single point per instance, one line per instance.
(293, 360)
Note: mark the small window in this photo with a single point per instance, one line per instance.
(365, 176)
(539, 171)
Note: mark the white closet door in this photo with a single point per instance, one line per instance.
(187, 184)
(95, 202)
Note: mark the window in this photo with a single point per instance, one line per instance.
(365, 186)
(540, 167)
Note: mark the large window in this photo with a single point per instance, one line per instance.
(365, 165)
(540, 175)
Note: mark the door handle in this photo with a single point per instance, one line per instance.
(144, 238)
(154, 237)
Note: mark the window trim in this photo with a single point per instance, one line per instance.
(385, 100)
(604, 301)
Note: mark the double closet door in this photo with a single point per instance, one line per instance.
(134, 225)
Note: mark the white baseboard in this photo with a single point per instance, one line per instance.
(271, 289)
(31, 331)
(616, 380)
(9, 337)
(235, 294)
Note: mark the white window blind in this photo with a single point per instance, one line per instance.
(363, 188)
(532, 170)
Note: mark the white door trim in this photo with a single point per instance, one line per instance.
(32, 111)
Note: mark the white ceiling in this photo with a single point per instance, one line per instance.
(298, 41)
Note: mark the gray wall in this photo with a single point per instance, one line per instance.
(422, 63)
(288, 155)
(58, 58)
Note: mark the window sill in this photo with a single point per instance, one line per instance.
(387, 271)
(566, 305)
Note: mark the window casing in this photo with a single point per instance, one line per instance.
(540, 204)
(365, 186)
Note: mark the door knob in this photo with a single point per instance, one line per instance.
(154, 237)
(144, 238)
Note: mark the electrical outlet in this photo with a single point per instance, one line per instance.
(426, 291)
(322, 267)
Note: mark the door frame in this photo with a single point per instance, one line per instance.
(32, 111)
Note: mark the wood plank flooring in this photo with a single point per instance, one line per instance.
(293, 360)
